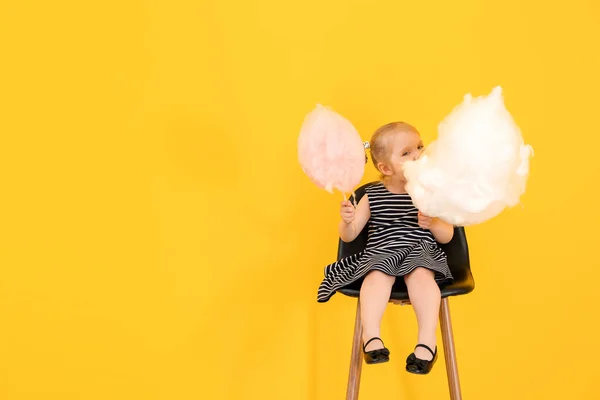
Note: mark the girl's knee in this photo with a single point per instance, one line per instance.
(420, 273)
(380, 276)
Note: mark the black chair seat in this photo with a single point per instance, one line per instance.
(457, 252)
(461, 285)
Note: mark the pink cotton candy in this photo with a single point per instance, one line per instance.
(331, 151)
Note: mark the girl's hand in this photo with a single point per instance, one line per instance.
(425, 222)
(347, 211)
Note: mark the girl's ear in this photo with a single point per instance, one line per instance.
(384, 169)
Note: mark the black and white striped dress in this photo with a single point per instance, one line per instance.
(396, 245)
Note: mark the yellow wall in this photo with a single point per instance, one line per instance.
(159, 240)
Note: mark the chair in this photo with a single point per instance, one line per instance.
(457, 252)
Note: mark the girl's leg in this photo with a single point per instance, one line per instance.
(374, 296)
(425, 297)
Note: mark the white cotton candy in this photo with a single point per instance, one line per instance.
(476, 168)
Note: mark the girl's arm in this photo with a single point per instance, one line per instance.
(442, 231)
(352, 227)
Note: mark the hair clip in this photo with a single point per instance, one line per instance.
(367, 145)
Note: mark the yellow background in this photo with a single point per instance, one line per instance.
(160, 241)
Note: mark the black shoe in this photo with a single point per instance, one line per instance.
(415, 365)
(376, 356)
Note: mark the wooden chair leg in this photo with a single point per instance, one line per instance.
(449, 352)
(355, 358)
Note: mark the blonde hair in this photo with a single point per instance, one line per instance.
(378, 143)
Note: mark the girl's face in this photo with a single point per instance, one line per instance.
(403, 147)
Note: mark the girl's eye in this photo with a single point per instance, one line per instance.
(421, 147)
(405, 153)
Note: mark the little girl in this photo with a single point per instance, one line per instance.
(402, 243)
